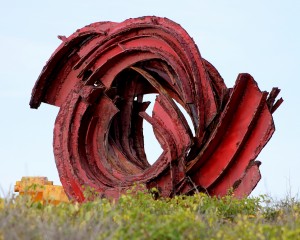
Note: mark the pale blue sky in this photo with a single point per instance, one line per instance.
(258, 37)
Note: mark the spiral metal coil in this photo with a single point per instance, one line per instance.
(98, 77)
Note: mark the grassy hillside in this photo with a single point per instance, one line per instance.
(139, 216)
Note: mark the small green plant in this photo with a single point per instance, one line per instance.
(90, 194)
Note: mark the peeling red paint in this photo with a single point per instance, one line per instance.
(98, 77)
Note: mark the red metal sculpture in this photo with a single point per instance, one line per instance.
(98, 77)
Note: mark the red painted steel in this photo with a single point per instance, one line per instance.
(98, 77)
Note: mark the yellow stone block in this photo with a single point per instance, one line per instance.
(41, 190)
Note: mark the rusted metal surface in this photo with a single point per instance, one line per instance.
(98, 77)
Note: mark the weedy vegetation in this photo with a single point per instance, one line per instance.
(137, 215)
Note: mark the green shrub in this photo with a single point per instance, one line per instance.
(138, 216)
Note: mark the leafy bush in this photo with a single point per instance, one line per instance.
(138, 216)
